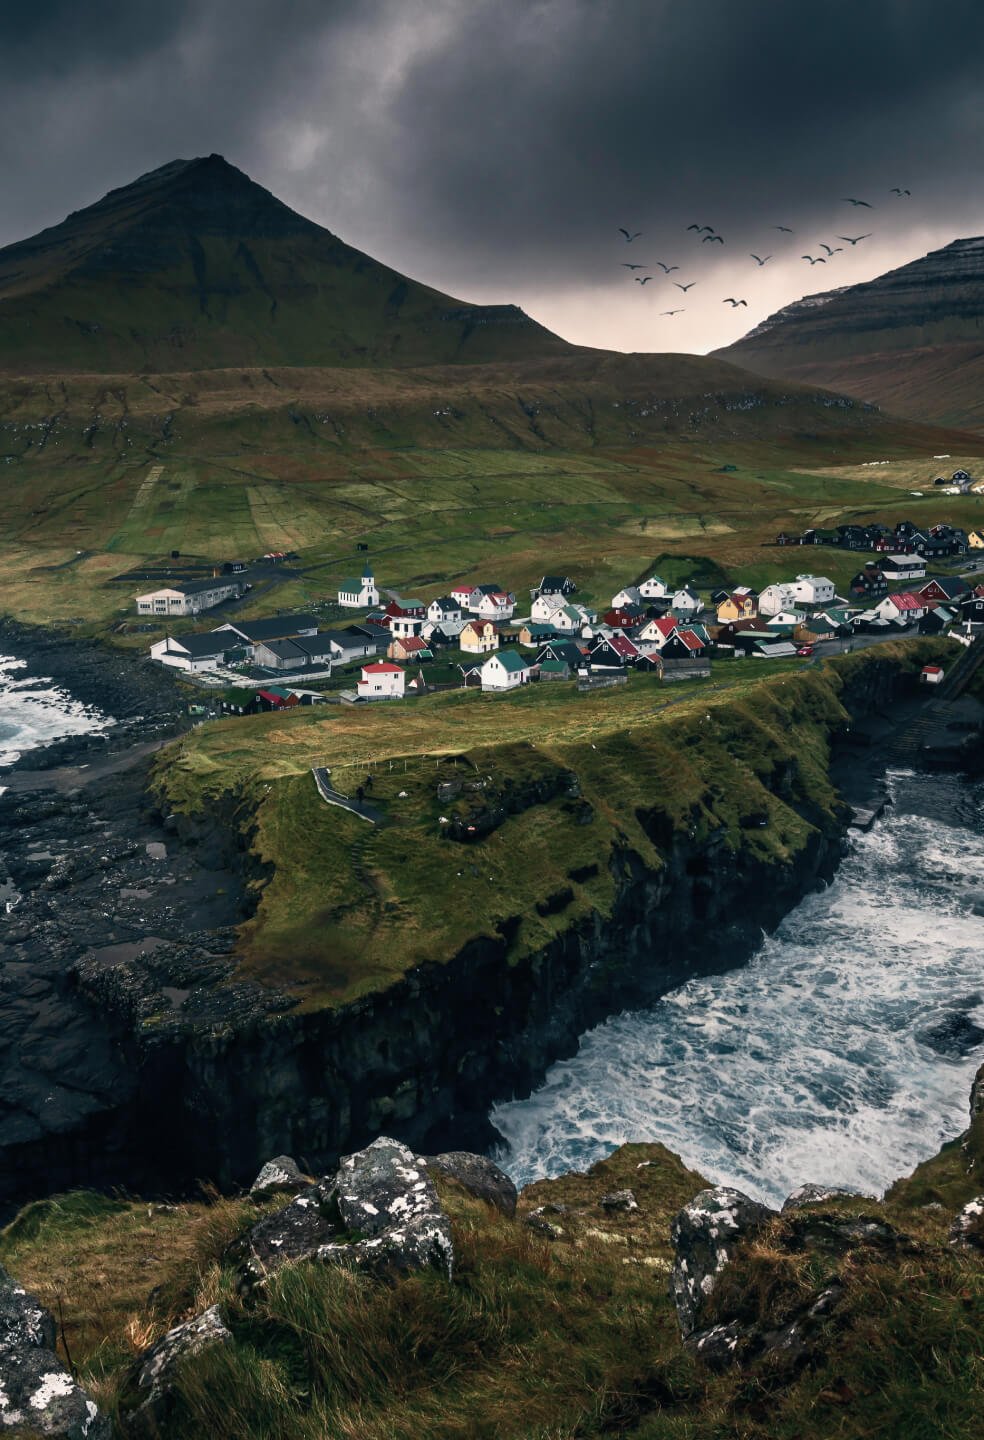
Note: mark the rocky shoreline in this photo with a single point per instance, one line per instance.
(132, 1053)
(143, 700)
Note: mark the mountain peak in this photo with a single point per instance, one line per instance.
(194, 265)
(909, 340)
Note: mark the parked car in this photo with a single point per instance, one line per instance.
(805, 650)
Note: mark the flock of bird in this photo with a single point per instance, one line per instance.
(709, 236)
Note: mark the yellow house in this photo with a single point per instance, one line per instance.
(742, 604)
(975, 539)
(479, 637)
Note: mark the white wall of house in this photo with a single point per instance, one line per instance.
(495, 607)
(775, 598)
(813, 590)
(628, 595)
(403, 626)
(654, 588)
(495, 676)
(684, 603)
(903, 567)
(168, 652)
(382, 683)
(169, 601)
(544, 607)
(362, 598)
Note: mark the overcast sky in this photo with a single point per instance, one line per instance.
(493, 147)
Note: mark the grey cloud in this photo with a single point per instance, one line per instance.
(492, 147)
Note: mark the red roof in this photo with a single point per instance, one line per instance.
(666, 625)
(692, 641)
(622, 645)
(932, 670)
(906, 602)
(382, 667)
(411, 644)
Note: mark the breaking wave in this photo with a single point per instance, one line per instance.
(842, 1053)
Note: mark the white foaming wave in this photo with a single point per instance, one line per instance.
(34, 711)
(807, 1063)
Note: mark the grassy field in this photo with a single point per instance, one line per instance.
(350, 907)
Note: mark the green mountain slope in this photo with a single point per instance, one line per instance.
(194, 266)
(911, 340)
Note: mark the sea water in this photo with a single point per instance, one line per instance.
(843, 1052)
(34, 711)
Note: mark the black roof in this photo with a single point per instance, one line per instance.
(197, 587)
(277, 627)
(199, 646)
(447, 602)
(562, 650)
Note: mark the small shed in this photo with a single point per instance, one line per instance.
(931, 675)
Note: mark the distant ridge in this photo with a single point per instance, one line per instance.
(911, 340)
(195, 266)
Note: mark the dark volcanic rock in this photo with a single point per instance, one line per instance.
(967, 1230)
(37, 1394)
(280, 1173)
(705, 1235)
(156, 1368)
(478, 1175)
(811, 1194)
(379, 1213)
(954, 1035)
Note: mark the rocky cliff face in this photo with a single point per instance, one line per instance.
(237, 1073)
(911, 340)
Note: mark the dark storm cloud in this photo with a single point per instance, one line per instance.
(493, 146)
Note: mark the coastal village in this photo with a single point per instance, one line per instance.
(381, 646)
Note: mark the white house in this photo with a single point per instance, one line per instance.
(776, 597)
(358, 592)
(686, 602)
(630, 595)
(189, 597)
(382, 681)
(463, 594)
(657, 632)
(903, 607)
(505, 670)
(498, 605)
(545, 607)
(902, 567)
(569, 620)
(446, 607)
(193, 653)
(654, 588)
(403, 627)
(813, 590)
(785, 617)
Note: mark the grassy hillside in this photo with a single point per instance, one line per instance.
(348, 907)
(603, 462)
(534, 1339)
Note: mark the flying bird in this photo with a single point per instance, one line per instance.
(818, 260)
(685, 288)
(785, 229)
(671, 312)
(835, 251)
(627, 265)
(642, 279)
(701, 228)
(855, 239)
(761, 258)
(896, 191)
(718, 238)
(667, 269)
(629, 237)
(850, 200)
(734, 303)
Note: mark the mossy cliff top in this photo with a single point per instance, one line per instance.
(566, 793)
(559, 1327)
